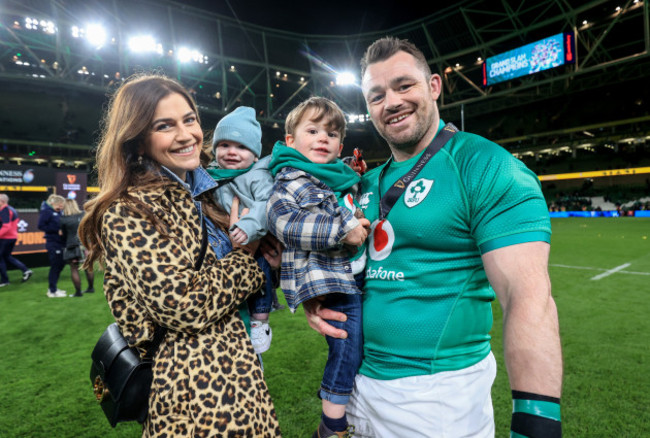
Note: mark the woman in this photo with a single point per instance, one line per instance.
(145, 227)
(49, 221)
(73, 252)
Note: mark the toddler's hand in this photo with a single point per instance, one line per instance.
(359, 165)
(251, 247)
(238, 236)
(358, 235)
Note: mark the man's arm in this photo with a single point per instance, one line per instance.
(519, 276)
(46, 222)
(533, 355)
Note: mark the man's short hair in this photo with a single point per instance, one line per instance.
(385, 47)
(4, 198)
(325, 110)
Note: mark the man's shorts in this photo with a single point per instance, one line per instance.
(446, 404)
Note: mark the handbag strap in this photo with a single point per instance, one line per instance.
(204, 245)
(159, 334)
(393, 194)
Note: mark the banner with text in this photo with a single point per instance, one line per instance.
(15, 175)
(72, 185)
(30, 238)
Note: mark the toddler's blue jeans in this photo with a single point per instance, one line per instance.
(344, 357)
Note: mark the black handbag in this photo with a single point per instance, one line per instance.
(121, 378)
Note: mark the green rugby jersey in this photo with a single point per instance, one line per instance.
(427, 302)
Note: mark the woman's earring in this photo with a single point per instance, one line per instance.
(140, 159)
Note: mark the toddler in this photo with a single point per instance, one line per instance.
(312, 212)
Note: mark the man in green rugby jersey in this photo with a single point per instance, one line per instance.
(470, 226)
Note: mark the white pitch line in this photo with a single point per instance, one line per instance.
(588, 268)
(611, 271)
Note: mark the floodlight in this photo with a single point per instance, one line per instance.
(48, 27)
(96, 35)
(197, 56)
(187, 55)
(345, 78)
(184, 55)
(357, 118)
(144, 43)
(44, 25)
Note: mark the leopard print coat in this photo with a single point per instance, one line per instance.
(207, 379)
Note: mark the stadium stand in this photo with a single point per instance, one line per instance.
(588, 115)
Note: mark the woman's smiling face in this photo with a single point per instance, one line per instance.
(175, 136)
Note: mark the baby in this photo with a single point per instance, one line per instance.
(236, 146)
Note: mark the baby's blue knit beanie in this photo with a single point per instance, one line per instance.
(240, 126)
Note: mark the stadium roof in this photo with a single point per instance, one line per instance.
(271, 55)
(335, 17)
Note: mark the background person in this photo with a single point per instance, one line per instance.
(73, 254)
(49, 221)
(236, 147)
(145, 226)
(474, 217)
(8, 236)
(312, 212)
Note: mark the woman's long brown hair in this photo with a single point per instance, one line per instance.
(125, 129)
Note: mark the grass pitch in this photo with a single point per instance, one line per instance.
(600, 269)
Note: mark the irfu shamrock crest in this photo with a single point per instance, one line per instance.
(417, 191)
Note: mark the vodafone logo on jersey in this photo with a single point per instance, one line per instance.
(382, 238)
